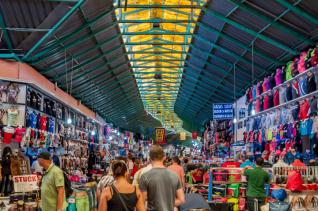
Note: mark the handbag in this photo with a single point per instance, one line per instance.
(120, 198)
(311, 202)
(298, 204)
(279, 206)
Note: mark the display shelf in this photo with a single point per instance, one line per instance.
(286, 82)
(226, 183)
(285, 104)
(14, 104)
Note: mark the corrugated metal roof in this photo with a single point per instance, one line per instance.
(111, 57)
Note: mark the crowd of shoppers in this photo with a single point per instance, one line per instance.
(158, 184)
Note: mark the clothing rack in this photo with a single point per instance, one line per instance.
(286, 82)
(285, 104)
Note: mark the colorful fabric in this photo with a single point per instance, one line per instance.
(282, 95)
(295, 90)
(12, 119)
(276, 97)
(301, 63)
(289, 70)
(304, 110)
(278, 76)
(82, 203)
(303, 85)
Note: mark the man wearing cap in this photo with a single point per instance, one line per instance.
(52, 187)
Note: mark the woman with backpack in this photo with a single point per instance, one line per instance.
(121, 195)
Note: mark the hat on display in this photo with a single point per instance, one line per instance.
(44, 155)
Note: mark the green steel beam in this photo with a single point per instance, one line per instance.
(206, 73)
(87, 72)
(111, 87)
(185, 105)
(250, 31)
(205, 92)
(154, 33)
(90, 60)
(280, 26)
(77, 86)
(118, 102)
(217, 58)
(223, 71)
(237, 42)
(79, 54)
(159, 6)
(71, 35)
(9, 56)
(117, 114)
(116, 98)
(276, 19)
(299, 11)
(155, 52)
(113, 114)
(6, 34)
(155, 43)
(157, 60)
(104, 88)
(158, 20)
(76, 69)
(156, 67)
(230, 53)
(100, 76)
(158, 72)
(80, 40)
(53, 29)
(152, 77)
(158, 82)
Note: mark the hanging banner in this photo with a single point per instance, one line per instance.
(160, 135)
(222, 111)
(182, 136)
(25, 183)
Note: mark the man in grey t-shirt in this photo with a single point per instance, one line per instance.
(160, 187)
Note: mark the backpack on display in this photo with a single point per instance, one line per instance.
(279, 206)
(294, 181)
(67, 186)
(298, 204)
(311, 203)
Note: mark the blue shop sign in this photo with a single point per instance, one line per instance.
(222, 111)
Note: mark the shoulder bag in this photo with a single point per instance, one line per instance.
(120, 198)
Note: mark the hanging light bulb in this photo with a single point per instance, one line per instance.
(118, 133)
(253, 111)
(69, 121)
(93, 132)
(110, 138)
(234, 120)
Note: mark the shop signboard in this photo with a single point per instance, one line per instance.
(222, 111)
(26, 183)
(160, 135)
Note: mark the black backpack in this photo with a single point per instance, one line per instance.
(67, 186)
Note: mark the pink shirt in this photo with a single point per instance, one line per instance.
(177, 170)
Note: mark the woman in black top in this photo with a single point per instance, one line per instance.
(121, 196)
